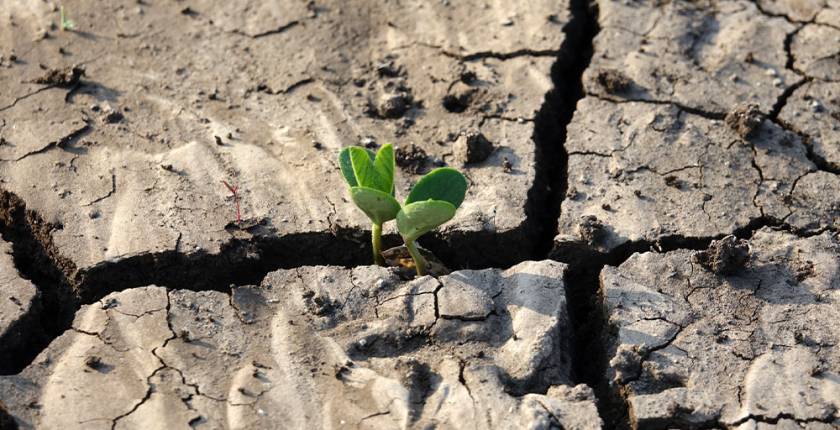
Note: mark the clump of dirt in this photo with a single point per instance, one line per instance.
(94, 362)
(804, 270)
(318, 304)
(613, 81)
(674, 182)
(725, 256)
(744, 119)
(472, 147)
(393, 106)
(627, 362)
(411, 159)
(388, 68)
(459, 98)
(63, 78)
(591, 230)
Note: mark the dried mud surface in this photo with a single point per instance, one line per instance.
(649, 240)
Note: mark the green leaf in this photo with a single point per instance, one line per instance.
(384, 163)
(444, 184)
(347, 167)
(377, 205)
(367, 175)
(415, 219)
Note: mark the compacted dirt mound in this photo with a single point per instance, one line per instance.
(320, 347)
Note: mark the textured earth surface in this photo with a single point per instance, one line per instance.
(692, 348)
(649, 239)
(320, 347)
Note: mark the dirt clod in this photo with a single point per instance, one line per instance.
(393, 106)
(744, 119)
(590, 229)
(613, 81)
(459, 98)
(412, 158)
(507, 166)
(64, 78)
(94, 362)
(725, 256)
(674, 182)
(472, 147)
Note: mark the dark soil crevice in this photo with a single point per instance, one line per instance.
(37, 260)
(782, 100)
(692, 110)
(546, 196)
(821, 163)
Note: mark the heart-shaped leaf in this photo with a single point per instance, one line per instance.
(377, 205)
(346, 166)
(444, 184)
(415, 219)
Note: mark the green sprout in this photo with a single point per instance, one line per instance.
(432, 202)
(371, 180)
(67, 24)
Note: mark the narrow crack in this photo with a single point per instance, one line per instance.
(692, 110)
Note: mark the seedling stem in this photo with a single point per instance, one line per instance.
(236, 201)
(376, 241)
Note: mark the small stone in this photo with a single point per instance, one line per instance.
(507, 166)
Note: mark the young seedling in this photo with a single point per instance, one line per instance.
(371, 180)
(432, 202)
(67, 24)
(233, 191)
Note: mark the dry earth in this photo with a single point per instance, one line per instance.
(651, 241)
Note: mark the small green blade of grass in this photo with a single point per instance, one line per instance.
(366, 173)
(417, 218)
(379, 206)
(444, 184)
(66, 24)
